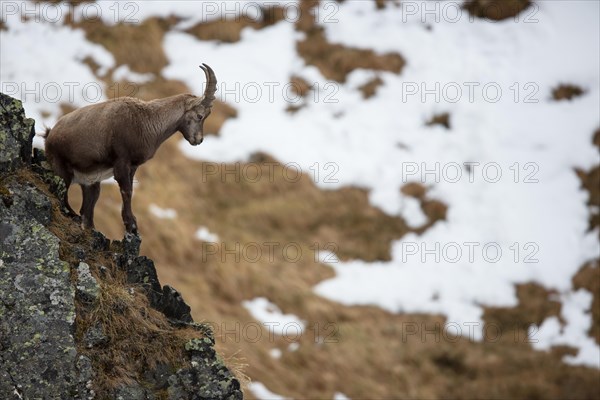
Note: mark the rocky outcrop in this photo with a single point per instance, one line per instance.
(80, 316)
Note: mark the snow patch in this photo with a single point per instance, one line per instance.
(206, 236)
(576, 307)
(273, 319)
(261, 392)
(162, 213)
(124, 73)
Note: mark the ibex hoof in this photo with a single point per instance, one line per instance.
(132, 229)
(87, 226)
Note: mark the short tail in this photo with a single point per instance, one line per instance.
(46, 133)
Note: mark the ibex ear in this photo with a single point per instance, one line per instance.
(193, 102)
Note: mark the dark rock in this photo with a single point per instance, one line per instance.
(99, 241)
(192, 382)
(141, 271)
(85, 378)
(173, 306)
(159, 376)
(33, 203)
(94, 336)
(87, 286)
(37, 305)
(129, 247)
(79, 252)
(42, 168)
(134, 391)
(16, 134)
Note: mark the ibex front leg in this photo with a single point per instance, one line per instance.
(124, 176)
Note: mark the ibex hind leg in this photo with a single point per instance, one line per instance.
(90, 194)
(66, 174)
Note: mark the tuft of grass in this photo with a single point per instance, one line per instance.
(496, 10)
(566, 92)
(139, 337)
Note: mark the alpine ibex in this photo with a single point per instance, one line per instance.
(115, 137)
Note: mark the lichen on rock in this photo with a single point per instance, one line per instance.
(16, 133)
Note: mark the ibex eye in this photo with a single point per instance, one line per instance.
(200, 117)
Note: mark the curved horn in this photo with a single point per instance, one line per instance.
(211, 86)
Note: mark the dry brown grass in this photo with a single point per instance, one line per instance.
(336, 61)
(369, 89)
(300, 86)
(380, 4)
(590, 182)
(535, 305)
(414, 189)
(139, 46)
(72, 2)
(306, 21)
(566, 92)
(442, 119)
(229, 30)
(496, 9)
(588, 278)
(139, 337)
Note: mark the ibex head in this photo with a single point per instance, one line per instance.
(198, 109)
